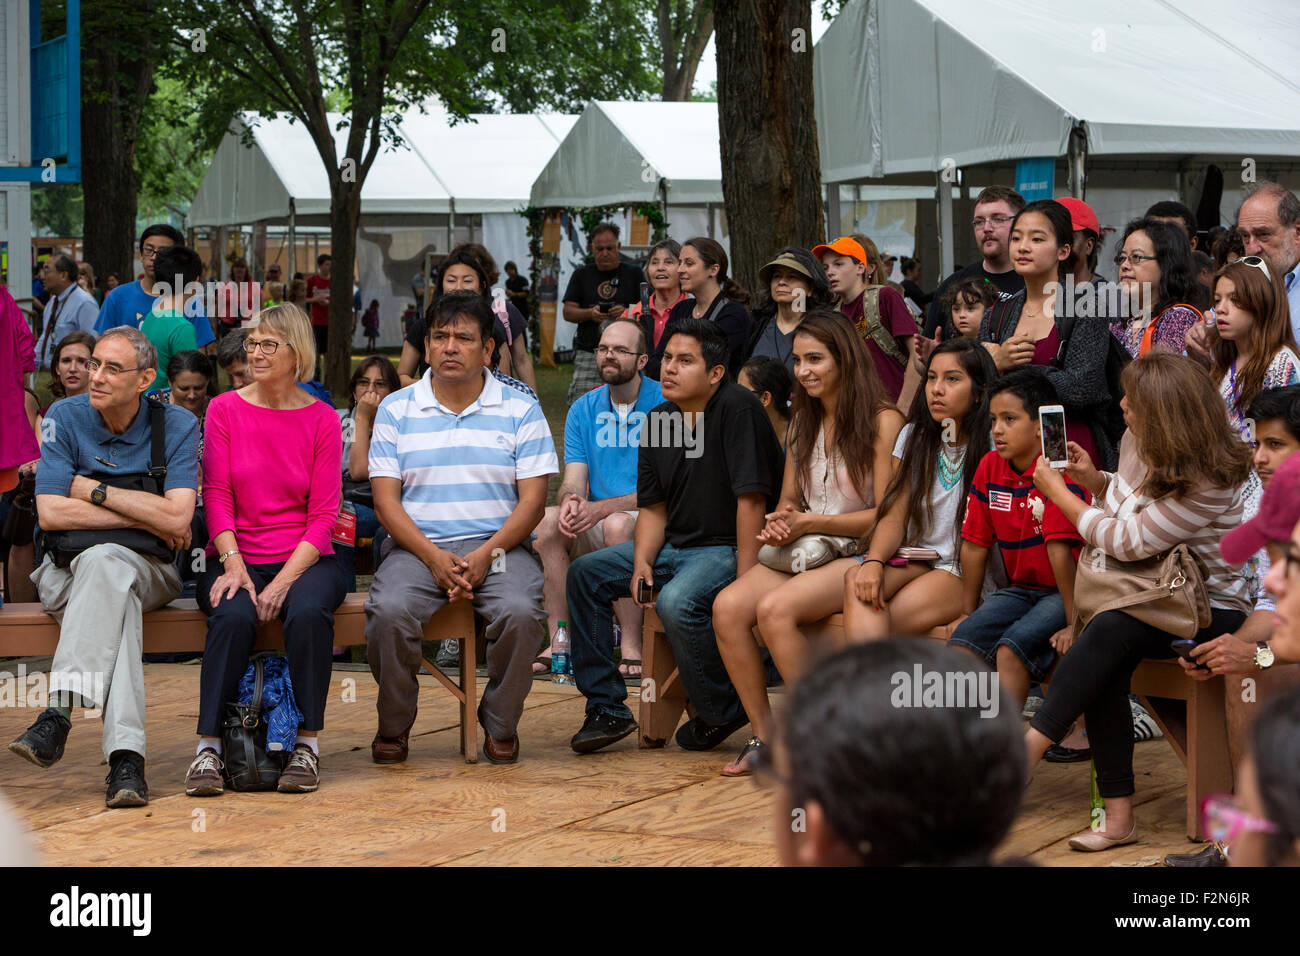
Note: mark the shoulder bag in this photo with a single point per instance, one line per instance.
(1165, 590)
(249, 766)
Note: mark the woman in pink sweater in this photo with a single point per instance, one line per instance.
(271, 464)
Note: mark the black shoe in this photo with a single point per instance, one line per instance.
(695, 734)
(1212, 855)
(126, 786)
(42, 742)
(601, 729)
(1058, 754)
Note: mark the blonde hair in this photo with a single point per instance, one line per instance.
(290, 322)
(878, 274)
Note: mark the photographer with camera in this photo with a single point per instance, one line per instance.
(598, 291)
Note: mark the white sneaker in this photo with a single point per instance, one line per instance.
(1144, 725)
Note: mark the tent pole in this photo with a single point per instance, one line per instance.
(944, 196)
(1077, 156)
(451, 224)
(293, 240)
(833, 215)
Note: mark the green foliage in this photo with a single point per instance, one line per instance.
(171, 156)
(58, 210)
(709, 96)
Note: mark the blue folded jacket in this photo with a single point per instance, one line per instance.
(282, 715)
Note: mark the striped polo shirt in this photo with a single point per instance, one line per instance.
(459, 472)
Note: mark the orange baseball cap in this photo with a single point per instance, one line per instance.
(844, 246)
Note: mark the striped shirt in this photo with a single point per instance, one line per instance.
(459, 472)
(1130, 526)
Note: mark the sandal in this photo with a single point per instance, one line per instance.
(544, 663)
(625, 669)
(739, 767)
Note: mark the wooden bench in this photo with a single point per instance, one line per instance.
(26, 630)
(1190, 713)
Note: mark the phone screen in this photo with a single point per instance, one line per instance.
(1053, 425)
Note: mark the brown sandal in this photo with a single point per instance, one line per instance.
(740, 767)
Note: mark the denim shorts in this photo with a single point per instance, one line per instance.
(1023, 619)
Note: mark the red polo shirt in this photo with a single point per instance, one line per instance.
(320, 312)
(660, 317)
(1005, 508)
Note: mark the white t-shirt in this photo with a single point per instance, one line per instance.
(944, 503)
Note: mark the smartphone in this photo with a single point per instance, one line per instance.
(645, 591)
(1183, 649)
(1051, 421)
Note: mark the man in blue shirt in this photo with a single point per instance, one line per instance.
(70, 308)
(129, 303)
(99, 597)
(597, 498)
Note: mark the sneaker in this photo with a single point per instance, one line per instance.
(125, 780)
(302, 773)
(1213, 855)
(42, 742)
(1033, 704)
(1144, 725)
(448, 653)
(204, 777)
(601, 729)
(695, 734)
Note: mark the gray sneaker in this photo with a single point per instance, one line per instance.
(302, 774)
(204, 778)
(448, 653)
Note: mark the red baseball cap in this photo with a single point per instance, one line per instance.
(1081, 214)
(844, 246)
(1279, 511)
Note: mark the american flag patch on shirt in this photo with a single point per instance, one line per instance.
(999, 500)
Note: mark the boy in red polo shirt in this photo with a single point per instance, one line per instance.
(1020, 628)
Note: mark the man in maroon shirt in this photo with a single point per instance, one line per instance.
(318, 301)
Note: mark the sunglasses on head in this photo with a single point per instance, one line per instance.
(1256, 262)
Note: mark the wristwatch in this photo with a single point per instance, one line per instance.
(1264, 656)
(99, 494)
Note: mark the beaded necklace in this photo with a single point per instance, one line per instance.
(950, 471)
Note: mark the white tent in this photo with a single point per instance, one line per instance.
(906, 89)
(443, 184)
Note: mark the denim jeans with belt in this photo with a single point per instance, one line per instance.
(687, 580)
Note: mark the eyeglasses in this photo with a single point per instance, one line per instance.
(1223, 821)
(1255, 261)
(268, 346)
(148, 252)
(112, 370)
(981, 222)
(372, 382)
(619, 353)
(1137, 258)
(1292, 558)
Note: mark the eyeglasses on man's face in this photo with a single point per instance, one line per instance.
(148, 251)
(111, 369)
(618, 352)
(982, 221)
(268, 346)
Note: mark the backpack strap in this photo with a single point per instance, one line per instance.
(157, 444)
(876, 329)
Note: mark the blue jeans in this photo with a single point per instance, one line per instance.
(687, 580)
(1023, 619)
(367, 521)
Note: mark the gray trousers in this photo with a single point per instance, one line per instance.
(98, 601)
(404, 596)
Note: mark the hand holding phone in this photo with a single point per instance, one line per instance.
(1051, 424)
(1183, 649)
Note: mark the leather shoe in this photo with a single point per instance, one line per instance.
(498, 751)
(1092, 841)
(1058, 754)
(1212, 855)
(389, 749)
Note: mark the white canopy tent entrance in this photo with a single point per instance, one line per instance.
(1132, 99)
(444, 184)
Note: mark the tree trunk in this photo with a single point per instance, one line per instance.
(345, 213)
(116, 79)
(682, 42)
(771, 168)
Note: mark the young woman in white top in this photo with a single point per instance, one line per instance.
(837, 468)
(946, 435)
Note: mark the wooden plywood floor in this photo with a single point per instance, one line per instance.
(620, 807)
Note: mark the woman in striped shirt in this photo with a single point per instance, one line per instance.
(1174, 486)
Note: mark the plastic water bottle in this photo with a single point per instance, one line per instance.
(618, 635)
(561, 669)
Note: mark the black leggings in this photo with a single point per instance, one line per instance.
(1093, 679)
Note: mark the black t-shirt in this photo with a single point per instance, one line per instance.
(518, 284)
(732, 317)
(589, 287)
(1007, 283)
(737, 454)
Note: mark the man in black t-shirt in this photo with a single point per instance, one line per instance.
(598, 291)
(995, 207)
(517, 289)
(708, 469)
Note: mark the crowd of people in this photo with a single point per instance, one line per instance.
(850, 446)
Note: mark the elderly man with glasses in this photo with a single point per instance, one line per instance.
(597, 497)
(112, 515)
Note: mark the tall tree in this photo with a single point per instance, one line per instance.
(684, 30)
(771, 168)
(117, 68)
(380, 59)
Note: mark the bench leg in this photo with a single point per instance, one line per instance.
(1209, 766)
(469, 694)
(664, 699)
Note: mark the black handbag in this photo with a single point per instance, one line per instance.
(63, 546)
(249, 766)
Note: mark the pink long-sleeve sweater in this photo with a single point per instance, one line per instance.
(272, 476)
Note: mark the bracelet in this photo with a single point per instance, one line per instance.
(222, 557)
(877, 560)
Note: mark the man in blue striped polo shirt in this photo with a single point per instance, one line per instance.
(458, 468)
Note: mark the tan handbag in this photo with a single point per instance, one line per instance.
(807, 552)
(1166, 591)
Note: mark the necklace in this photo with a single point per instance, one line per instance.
(950, 470)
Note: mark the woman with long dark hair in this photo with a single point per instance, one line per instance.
(938, 450)
(718, 299)
(1035, 327)
(1158, 281)
(373, 381)
(794, 283)
(843, 430)
(770, 381)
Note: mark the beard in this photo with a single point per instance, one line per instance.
(616, 375)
